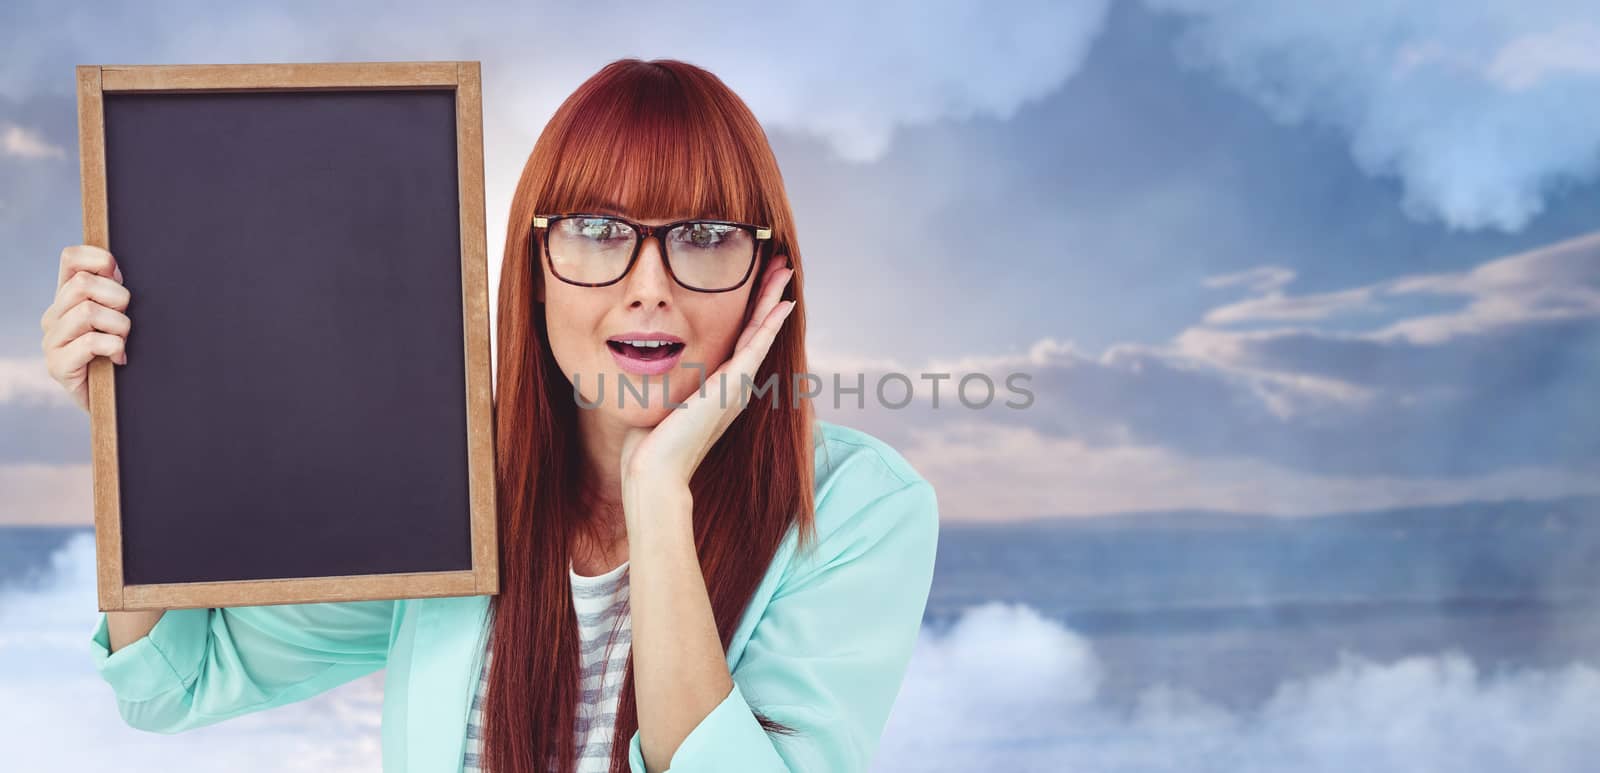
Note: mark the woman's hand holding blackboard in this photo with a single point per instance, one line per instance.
(87, 319)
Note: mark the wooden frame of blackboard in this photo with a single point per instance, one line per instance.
(464, 78)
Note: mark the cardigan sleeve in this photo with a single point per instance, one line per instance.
(829, 653)
(200, 666)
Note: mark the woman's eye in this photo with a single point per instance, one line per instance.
(601, 230)
(703, 234)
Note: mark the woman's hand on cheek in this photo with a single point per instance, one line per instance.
(669, 453)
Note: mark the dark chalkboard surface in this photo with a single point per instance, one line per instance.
(305, 415)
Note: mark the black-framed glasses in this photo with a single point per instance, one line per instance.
(595, 250)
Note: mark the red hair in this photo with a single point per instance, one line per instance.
(661, 139)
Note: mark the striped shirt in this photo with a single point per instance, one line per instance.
(601, 604)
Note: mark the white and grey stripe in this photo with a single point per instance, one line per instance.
(601, 605)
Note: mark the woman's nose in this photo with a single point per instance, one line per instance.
(649, 281)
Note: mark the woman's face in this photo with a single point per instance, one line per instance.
(646, 303)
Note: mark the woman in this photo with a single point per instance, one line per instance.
(725, 585)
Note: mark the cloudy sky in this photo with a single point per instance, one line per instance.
(1251, 257)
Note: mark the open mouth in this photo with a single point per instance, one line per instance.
(646, 353)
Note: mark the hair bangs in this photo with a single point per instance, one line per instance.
(655, 148)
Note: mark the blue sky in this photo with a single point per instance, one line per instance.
(1254, 258)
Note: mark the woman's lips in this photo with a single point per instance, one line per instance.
(641, 367)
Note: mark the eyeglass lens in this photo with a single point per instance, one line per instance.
(704, 256)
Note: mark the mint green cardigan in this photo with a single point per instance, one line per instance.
(822, 646)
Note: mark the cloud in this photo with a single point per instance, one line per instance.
(39, 214)
(1514, 312)
(41, 431)
(1274, 305)
(885, 65)
(1548, 284)
(1529, 60)
(989, 472)
(45, 478)
(26, 143)
(27, 380)
(1551, 284)
(46, 494)
(1491, 399)
(1007, 689)
(56, 713)
(1480, 109)
(1264, 279)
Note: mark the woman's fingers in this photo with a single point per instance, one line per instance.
(759, 333)
(740, 369)
(69, 364)
(747, 360)
(86, 272)
(767, 333)
(724, 387)
(85, 319)
(84, 301)
(773, 282)
(87, 257)
(88, 315)
(76, 354)
(90, 261)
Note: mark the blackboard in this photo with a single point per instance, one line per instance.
(306, 412)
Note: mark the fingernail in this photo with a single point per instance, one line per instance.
(121, 359)
(117, 270)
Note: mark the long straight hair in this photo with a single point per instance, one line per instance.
(671, 139)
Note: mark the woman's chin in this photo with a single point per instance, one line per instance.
(643, 416)
(636, 404)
